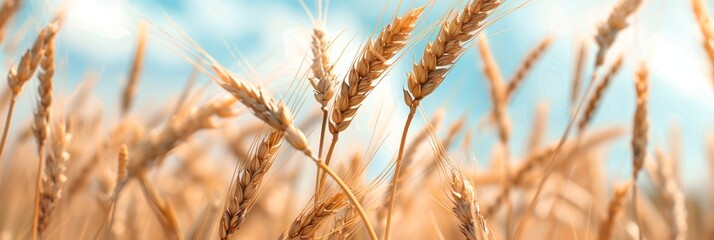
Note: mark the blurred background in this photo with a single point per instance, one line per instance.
(267, 41)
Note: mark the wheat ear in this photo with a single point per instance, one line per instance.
(473, 224)
(616, 22)
(54, 178)
(639, 133)
(136, 67)
(305, 226)
(323, 83)
(613, 210)
(436, 61)
(8, 9)
(527, 65)
(598, 95)
(40, 125)
(247, 184)
(21, 73)
(673, 196)
(369, 67)
(705, 26)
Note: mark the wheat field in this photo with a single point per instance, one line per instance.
(322, 143)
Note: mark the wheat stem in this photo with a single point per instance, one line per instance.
(400, 155)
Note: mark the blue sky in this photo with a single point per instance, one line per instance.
(272, 36)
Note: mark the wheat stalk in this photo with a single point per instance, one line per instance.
(613, 211)
(247, 184)
(305, 226)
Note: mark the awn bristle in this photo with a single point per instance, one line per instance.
(136, 67)
(613, 211)
(369, 67)
(54, 175)
(599, 93)
(473, 224)
(247, 184)
(527, 65)
(450, 44)
(616, 22)
(305, 226)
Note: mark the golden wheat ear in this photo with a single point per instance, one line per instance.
(437, 60)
